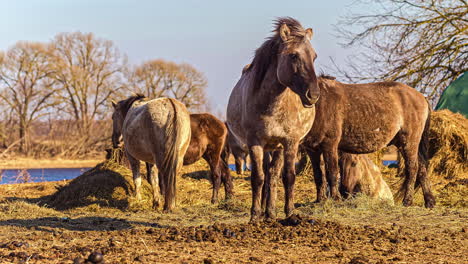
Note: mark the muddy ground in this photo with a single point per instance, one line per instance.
(359, 230)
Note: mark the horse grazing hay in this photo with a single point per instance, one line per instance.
(359, 174)
(108, 184)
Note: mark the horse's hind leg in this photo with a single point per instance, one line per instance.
(266, 171)
(215, 176)
(239, 160)
(135, 166)
(154, 181)
(410, 155)
(226, 179)
(333, 172)
(429, 199)
(319, 177)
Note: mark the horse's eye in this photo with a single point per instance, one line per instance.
(293, 56)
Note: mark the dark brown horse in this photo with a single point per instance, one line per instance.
(272, 108)
(363, 118)
(207, 141)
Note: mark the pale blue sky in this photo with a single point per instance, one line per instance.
(217, 37)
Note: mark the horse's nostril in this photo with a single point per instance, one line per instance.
(308, 95)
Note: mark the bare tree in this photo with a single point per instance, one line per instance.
(26, 86)
(421, 43)
(88, 71)
(158, 78)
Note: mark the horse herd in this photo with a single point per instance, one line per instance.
(278, 104)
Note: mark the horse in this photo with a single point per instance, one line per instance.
(208, 141)
(271, 108)
(238, 150)
(360, 174)
(155, 131)
(364, 118)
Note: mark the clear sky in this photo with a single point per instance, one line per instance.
(217, 37)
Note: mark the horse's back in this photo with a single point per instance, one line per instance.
(146, 127)
(372, 114)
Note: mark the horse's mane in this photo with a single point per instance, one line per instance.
(127, 103)
(326, 76)
(265, 55)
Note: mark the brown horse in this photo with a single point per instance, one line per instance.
(363, 118)
(360, 175)
(207, 141)
(272, 107)
(157, 132)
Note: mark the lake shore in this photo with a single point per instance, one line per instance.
(29, 163)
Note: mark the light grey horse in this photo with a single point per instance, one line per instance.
(157, 132)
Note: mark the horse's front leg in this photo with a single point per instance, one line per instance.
(257, 181)
(135, 166)
(330, 157)
(319, 178)
(276, 165)
(289, 175)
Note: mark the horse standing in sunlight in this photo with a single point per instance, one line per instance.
(364, 118)
(208, 141)
(157, 132)
(271, 108)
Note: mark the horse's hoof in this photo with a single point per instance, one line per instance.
(430, 203)
(255, 219)
(270, 219)
(407, 202)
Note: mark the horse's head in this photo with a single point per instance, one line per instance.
(120, 112)
(117, 123)
(296, 58)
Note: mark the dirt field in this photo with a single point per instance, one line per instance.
(355, 231)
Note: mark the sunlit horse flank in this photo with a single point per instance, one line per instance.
(272, 108)
(364, 118)
(208, 140)
(157, 132)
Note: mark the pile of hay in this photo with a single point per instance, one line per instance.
(448, 166)
(448, 145)
(109, 184)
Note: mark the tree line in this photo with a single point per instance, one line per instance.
(59, 92)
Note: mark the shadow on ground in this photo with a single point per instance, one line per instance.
(49, 224)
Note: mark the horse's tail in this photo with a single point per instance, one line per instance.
(422, 179)
(423, 152)
(172, 157)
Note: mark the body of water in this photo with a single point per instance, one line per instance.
(9, 176)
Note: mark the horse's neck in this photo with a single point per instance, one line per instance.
(270, 89)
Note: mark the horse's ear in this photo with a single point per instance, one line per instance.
(309, 33)
(114, 104)
(285, 32)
